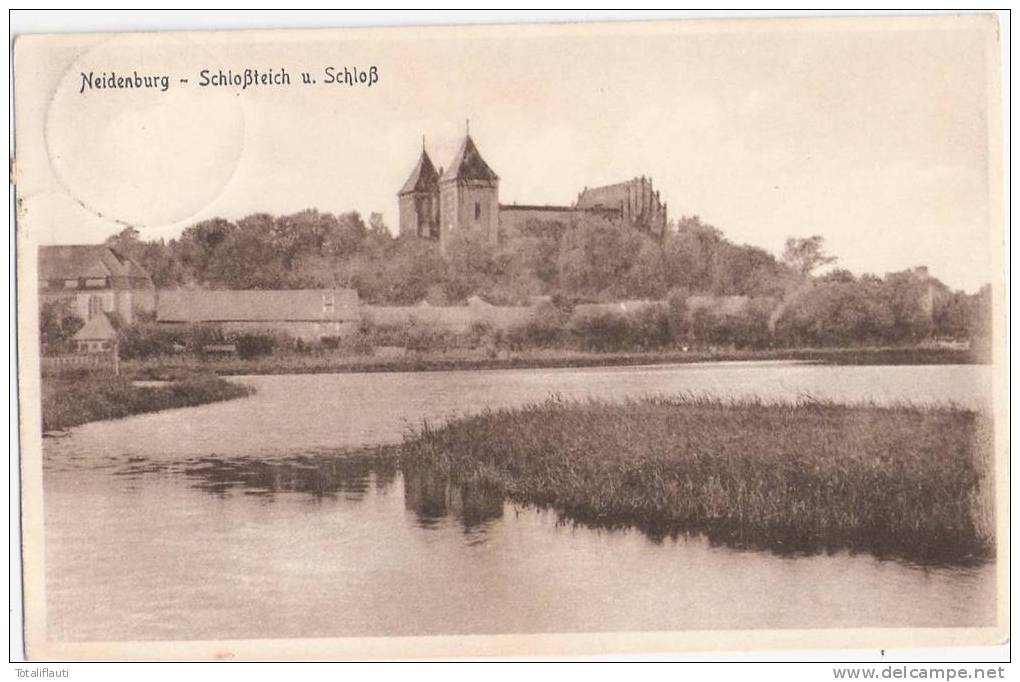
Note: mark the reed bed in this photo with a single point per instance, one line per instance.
(72, 400)
(908, 481)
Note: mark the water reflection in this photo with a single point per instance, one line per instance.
(317, 475)
(433, 497)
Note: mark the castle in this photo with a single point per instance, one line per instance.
(437, 203)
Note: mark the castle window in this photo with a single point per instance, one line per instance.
(478, 211)
(328, 304)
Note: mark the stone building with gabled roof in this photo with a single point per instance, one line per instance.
(465, 197)
(87, 279)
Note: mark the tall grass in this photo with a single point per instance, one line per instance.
(911, 481)
(71, 400)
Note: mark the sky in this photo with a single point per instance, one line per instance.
(875, 134)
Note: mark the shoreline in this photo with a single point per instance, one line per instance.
(311, 363)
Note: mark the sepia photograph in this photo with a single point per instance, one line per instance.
(536, 339)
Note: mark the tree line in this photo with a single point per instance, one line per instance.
(584, 259)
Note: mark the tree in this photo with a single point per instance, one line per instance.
(56, 326)
(410, 269)
(472, 266)
(837, 313)
(646, 276)
(687, 254)
(909, 295)
(951, 315)
(981, 324)
(838, 275)
(197, 247)
(805, 255)
(595, 256)
(126, 241)
(155, 257)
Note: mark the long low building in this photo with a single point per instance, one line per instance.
(306, 314)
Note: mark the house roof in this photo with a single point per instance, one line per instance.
(97, 328)
(424, 177)
(468, 164)
(77, 261)
(607, 196)
(257, 305)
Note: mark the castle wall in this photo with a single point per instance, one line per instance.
(513, 218)
(451, 318)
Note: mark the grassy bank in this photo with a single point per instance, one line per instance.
(335, 362)
(909, 481)
(71, 400)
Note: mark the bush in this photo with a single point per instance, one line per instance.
(254, 345)
(644, 329)
(147, 340)
(602, 331)
(745, 328)
(330, 342)
(649, 327)
(678, 316)
(545, 328)
(199, 336)
(415, 337)
(359, 343)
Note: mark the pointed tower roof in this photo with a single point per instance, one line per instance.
(468, 164)
(423, 178)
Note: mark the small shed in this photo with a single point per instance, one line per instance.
(97, 336)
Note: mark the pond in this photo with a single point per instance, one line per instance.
(259, 518)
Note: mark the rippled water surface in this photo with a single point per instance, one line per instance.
(257, 518)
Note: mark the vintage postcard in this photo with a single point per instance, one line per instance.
(512, 340)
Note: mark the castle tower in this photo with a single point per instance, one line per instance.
(418, 200)
(468, 195)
